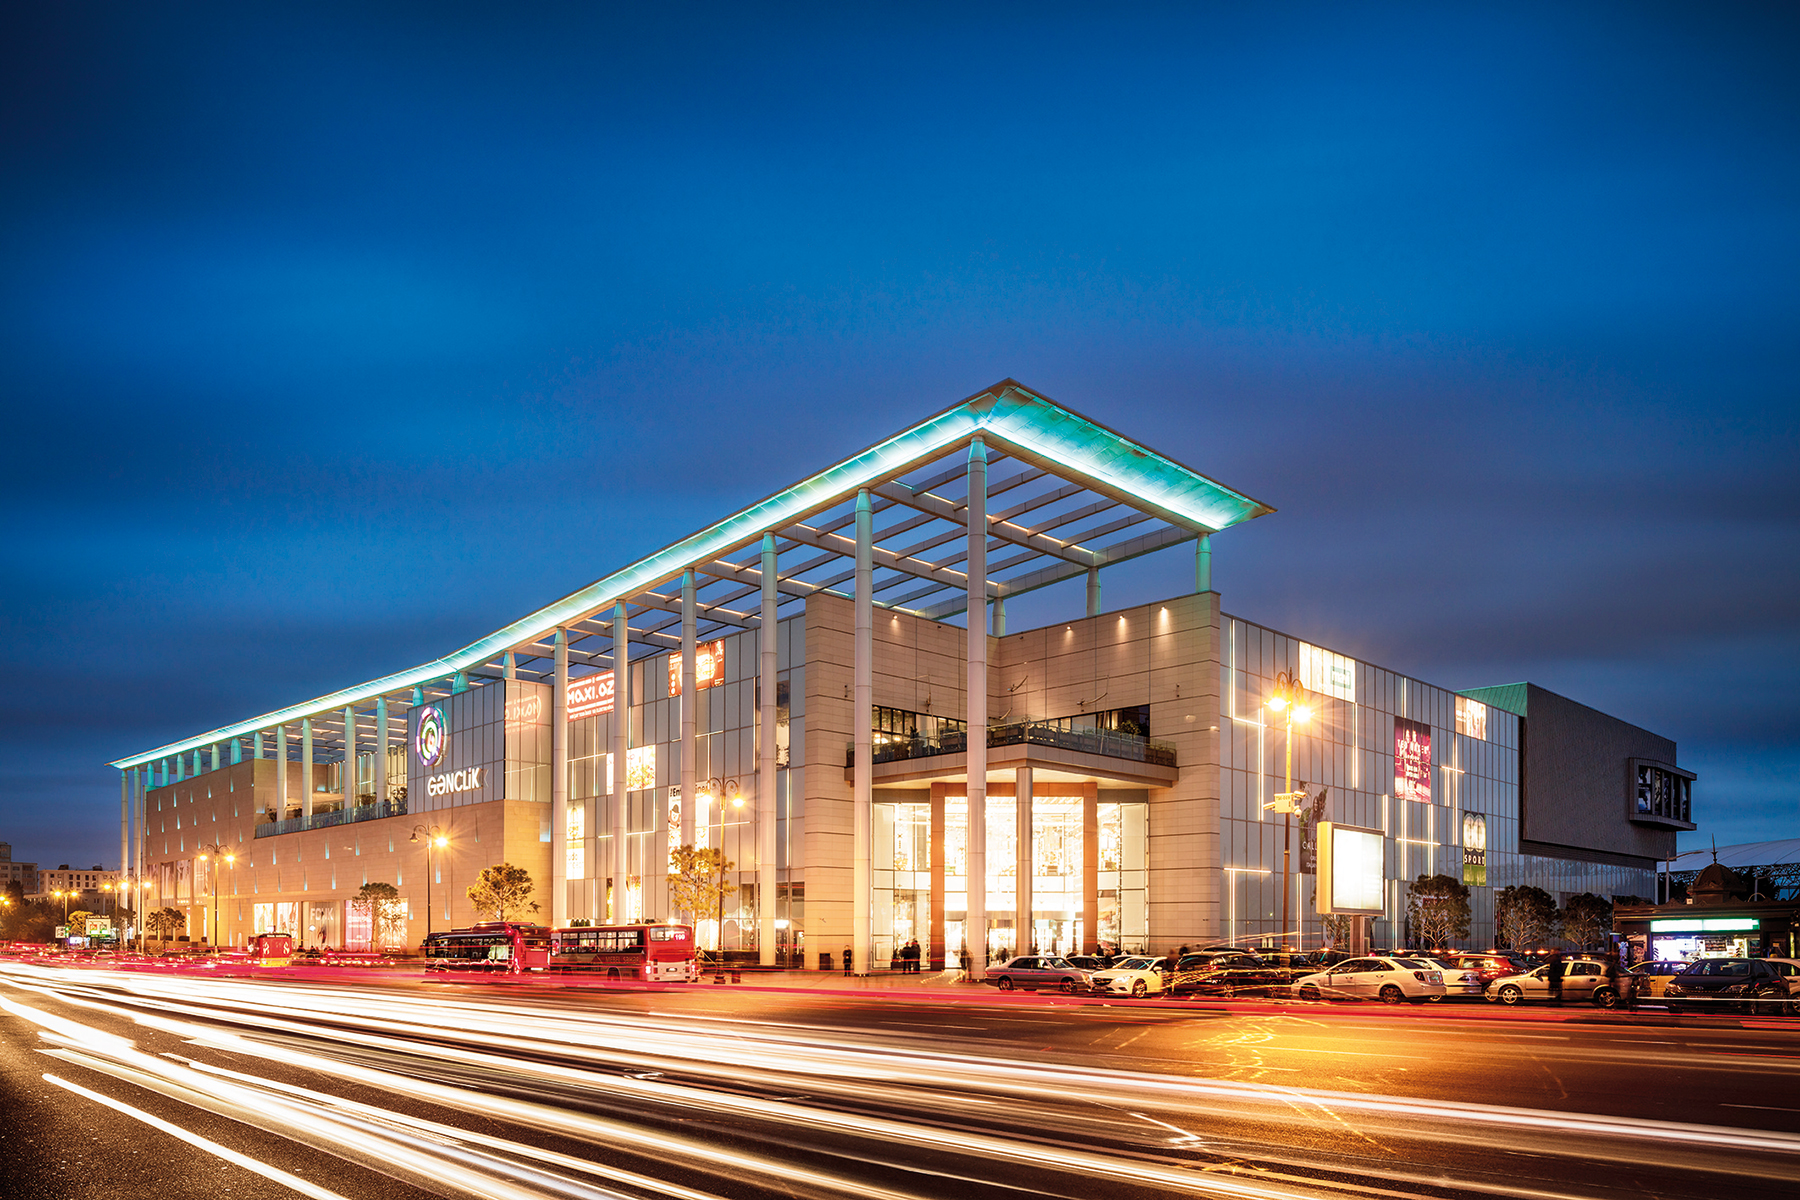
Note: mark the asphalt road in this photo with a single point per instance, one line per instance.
(121, 1084)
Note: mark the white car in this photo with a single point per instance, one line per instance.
(1459, 980)
(1389, 980)
(1789, 970)
(1137, 976)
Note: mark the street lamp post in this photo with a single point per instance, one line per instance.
(1290, 699)
(230, 860)
(434, 836)
(712, 788)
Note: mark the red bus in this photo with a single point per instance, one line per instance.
(508, 947)
(652, 953)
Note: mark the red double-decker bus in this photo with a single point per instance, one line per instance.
(504, 947)
(651, 953)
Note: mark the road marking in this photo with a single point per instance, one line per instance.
(1761, 1107)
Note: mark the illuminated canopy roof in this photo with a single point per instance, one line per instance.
(1065, 494)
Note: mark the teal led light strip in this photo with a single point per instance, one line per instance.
(1025, 424)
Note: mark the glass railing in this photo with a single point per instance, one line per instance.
(325, 820)
(1062, 733)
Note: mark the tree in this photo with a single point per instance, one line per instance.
(380, 902)
(1438, 907)
(503, 890)
(164, 922)
(697, 884)
(1524, 915)
(1587, 919)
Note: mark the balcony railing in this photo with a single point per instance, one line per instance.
(1061, 733)
(325, 820)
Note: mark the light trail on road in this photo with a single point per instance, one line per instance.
(618, 1104)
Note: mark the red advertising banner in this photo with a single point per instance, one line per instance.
(590, 694)
(1412, 761)
(709, 667)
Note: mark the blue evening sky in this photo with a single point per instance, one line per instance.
(334, 336)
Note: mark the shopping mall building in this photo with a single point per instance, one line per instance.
(795, 685)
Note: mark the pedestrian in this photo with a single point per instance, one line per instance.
(967, 961)
(1612, 979)
(1553, 971)
(913, 952)
(849, 965)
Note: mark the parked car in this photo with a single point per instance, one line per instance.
(1647, 980)
(1723, 984)
(1387, 979)
(1229, 973)
(1139, 976)
(1035, 971)
(1460, 982)
(1789, 970)
(1087, 962)
(1583, 980)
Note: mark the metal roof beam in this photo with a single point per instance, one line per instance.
(1158, 539)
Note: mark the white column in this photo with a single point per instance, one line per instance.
(1203, 563)
(689, 703)
(1022, 865)
(861, 898)
(559, 786)
(621, 724)
(259, 743)
(124, 823)
(509, 668)
(976, 927)
(1093, 592)
(381, 750)
(999, 616)
(215, 756)
(281, 773)
(306, 766)
(766, 814)
(349, 779)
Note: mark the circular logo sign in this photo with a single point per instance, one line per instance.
(432, 738)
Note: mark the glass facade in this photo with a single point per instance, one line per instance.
(1348, 750)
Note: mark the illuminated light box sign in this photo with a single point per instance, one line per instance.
(1351, 870)
(1323, 671)
(1471, 717)
(590, 695)
(709, 667)
(468, 780)
(1474, 842)
(1707, 925)
(1412, 761)
(431, 736)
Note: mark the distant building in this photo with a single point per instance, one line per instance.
(96, 880)
(22, 873)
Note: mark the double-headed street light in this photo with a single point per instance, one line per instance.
(1291, 700)
(217, 851)
(438, 836)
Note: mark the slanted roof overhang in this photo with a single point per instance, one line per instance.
(1105, 472)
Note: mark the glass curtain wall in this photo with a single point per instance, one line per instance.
(1123, 877)
(901, 841)
(1056, 875)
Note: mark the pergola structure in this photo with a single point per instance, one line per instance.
(1000, 494)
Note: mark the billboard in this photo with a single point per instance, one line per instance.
(1351, 870)
(1474, 842)
(1471, 717)
(590, 695)
(1412, 761)
(709, 667)
(1327, 673)
(640, 769)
